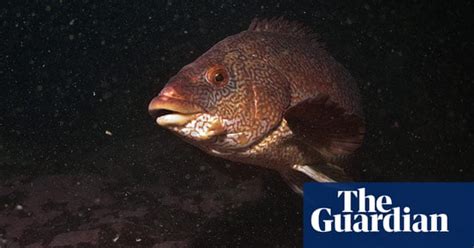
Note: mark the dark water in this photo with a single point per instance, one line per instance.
(82, 163)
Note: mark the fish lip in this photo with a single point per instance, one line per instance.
(171, 110)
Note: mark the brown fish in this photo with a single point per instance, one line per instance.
(270, 96)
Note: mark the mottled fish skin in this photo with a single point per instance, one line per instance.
(265, 71)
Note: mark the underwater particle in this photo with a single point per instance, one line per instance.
(187, 176)
(395, 124)
(47, 8)
(107, 95)
(39, 87)
(71, 37)
(349, 21)
(107, 132)
(19, 109)
(116, 238)
(138, 240)
(19, 207)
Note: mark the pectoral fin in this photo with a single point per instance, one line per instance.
(300, 174)
(324, 125)
(313, 174)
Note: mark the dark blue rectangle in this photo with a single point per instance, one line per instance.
(431, 215)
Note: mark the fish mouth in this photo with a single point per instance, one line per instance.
(170, 111)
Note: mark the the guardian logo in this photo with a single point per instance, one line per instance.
(365, 213)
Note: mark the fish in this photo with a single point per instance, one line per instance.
(270, 96)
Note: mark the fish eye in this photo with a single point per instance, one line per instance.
(217, 75)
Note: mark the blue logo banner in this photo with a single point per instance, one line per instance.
(389, 215)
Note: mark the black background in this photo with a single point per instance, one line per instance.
(72, 70)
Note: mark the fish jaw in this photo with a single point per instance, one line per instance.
(203, 127)
(171, 120)
(184, 118)
(169, 111)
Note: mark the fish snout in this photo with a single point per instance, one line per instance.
(158, 105)
(170, 91)
(154, 107)
(170, 106)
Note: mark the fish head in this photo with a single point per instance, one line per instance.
(225, 100)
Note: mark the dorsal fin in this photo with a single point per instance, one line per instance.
(282, 26)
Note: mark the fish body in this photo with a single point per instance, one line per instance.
(270, 96)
